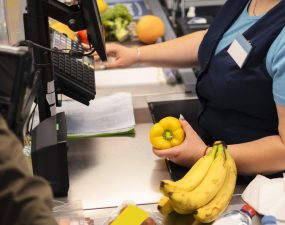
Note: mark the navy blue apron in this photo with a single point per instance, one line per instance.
(237, 103)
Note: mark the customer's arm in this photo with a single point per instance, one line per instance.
(180, 52)
(24, 199)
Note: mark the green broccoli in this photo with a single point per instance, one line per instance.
(121, 32)
(108, 15)
(109, 24)
(123, 12)
(115, 21)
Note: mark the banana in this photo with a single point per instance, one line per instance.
(218, 142)
(220, 202)
(206, 190)
(193, 177)
(164, 205)
(179, 210)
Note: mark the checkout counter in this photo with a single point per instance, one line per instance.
(107, 171)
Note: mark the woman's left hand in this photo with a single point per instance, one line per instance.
(187, 153)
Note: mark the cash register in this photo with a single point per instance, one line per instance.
(43, 70)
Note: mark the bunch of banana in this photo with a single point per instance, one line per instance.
(205, 190)
(220, 202)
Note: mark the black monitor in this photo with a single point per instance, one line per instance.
(94, 26)
(17, 88)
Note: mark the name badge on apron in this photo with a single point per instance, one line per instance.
(240, 49)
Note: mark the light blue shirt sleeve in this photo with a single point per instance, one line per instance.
(275, 64)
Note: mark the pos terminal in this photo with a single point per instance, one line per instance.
(20, 87)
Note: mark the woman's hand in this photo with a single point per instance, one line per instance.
(187, 153)
(121, 56)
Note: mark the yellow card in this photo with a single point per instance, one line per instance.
(132, 215)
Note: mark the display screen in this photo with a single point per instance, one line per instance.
(16, 87)
(7, 70)
(94, 26)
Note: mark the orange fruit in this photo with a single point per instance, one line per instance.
(149, 29)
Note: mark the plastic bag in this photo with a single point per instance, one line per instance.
(153, 218)
(68, 213)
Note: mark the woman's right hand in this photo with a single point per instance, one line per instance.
(188, 152)
(119, 56)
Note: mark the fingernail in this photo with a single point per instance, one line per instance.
(181, 117)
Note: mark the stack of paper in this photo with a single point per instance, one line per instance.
(105, 116)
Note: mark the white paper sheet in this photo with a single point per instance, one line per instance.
(108, 114)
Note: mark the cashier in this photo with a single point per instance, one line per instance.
(241, 84)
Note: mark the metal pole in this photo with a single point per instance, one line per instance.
(37, 30)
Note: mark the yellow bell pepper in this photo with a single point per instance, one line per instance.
(166, 133)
